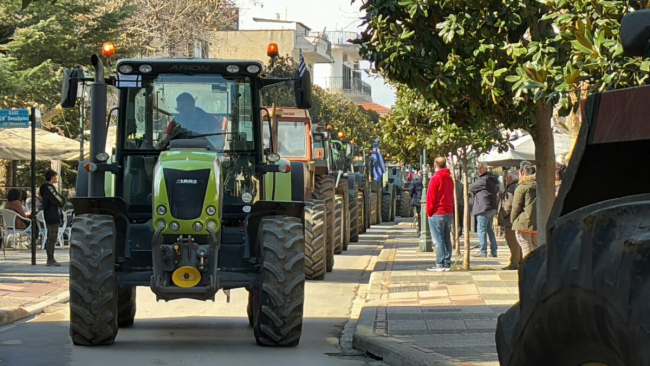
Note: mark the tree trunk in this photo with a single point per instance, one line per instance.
(542, 135)
(455, 238)
(466, 220)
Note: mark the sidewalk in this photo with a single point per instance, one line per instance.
(26, 290)
(415, 317)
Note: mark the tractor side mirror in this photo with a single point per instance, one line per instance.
(302, 90)
(348, 150)
(635, 33)
(69, 89)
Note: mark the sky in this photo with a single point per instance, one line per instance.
(332, 15)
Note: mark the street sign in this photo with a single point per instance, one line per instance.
(14, 118)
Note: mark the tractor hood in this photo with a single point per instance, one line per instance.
(186, 191)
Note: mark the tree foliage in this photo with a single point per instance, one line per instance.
(502, 63)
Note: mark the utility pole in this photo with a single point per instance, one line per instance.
(425, 233)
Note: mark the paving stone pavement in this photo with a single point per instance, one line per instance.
(24, 286)
(449, 316)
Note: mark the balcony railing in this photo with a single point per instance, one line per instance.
(346, 85)
(341, 38)
(317, 39)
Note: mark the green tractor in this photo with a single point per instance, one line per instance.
(192, 210)
(391, 192)
(349, 181)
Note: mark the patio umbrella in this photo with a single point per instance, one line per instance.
(522, 149)
(16, 144)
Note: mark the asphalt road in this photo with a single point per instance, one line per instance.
(187, 332)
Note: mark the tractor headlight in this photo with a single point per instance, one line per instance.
(197, 226)
(211, 210)
(174, 226)
(246, 197)
(232, 69)
(161, 224)
(145, 69)
(161, 210)
(125, 69)
(212, 225)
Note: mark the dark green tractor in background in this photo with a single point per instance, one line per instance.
(191, 212)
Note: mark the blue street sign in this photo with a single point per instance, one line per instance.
(14, 118)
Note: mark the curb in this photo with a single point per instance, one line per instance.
(12, 315)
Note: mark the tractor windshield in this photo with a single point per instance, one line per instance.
(292, 139)
(173, 106)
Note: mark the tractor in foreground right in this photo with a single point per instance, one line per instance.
(585, 295)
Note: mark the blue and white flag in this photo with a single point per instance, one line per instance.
(302, 66)
(379, 167)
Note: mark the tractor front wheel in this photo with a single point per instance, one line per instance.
(386, 208)
(279, 314)
(338, 225)
(93, 287)
(324, 190)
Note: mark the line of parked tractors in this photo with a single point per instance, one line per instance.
(333, 176)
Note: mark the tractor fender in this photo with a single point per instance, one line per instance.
(113, 206)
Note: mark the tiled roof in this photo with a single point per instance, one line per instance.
(380, 109)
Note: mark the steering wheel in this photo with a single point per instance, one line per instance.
(173, 131)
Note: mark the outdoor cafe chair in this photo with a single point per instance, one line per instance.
(9, 222)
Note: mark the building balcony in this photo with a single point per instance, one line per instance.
(352, 87)
(342, 38)
(315, 47)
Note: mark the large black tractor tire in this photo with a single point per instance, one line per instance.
(324, 190)
(362, 210)
(404, 208)
(342, 189)
(315, 240)
(126, 306)
(253, 299)
(279, 313)
(393, 210)
(93, 287)
(367, 208)
(373, 208)
(386, 208)
(584, 297)
(379, 196)
(338, 224)
(354, 221)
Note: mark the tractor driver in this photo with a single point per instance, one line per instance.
(193, 118)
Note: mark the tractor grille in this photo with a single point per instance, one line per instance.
(186, 192)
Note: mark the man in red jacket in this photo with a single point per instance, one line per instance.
(440, 213)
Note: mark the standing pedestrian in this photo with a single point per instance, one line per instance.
(524, 209)
(440, 211)
(52, 203)
(485, 191)
(416, 196)
(503, 218)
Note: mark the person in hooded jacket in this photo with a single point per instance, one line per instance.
(485, 191)
(440, 213)
(416, 196)
(52, 203)
(524, 209)
(503, 218)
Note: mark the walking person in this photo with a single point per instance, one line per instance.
(503, 218)
(440, 213)
(52, 203)
(416, 196)
(485, 207)
(524, 209)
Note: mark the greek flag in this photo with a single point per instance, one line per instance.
(379, 167)
(302, 66)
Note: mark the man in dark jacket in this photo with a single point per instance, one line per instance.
(52, 203)
(416, 196)
(503, 218)
(485, 191)
(461, 205)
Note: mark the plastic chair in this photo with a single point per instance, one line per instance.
(42, 228)
(65, 227)
(9, 222)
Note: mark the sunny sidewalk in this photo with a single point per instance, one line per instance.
(415, 317)
(26, 290)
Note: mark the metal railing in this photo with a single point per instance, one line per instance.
(318, 40)
(339, 37)
(346, 85)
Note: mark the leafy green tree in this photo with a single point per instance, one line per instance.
(511, 61)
